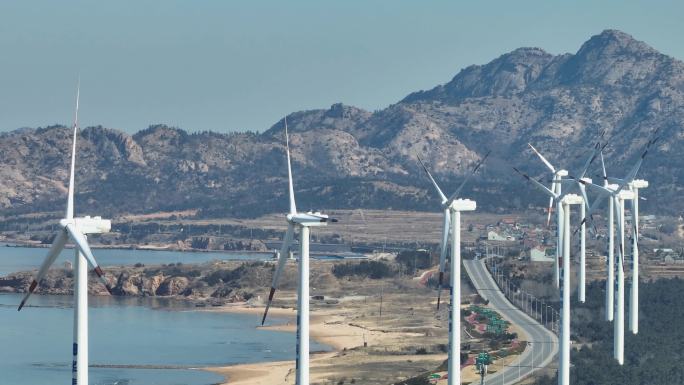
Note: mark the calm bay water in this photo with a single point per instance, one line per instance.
(14, 259)
(35, 344)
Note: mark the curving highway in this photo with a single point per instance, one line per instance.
(544, 343)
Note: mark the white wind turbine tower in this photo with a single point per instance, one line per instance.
(618, 194)
(303, 221)
(566, 200)
(76, 229)
(452, 224)
(564, 356)
(634, 187)
(557, 194)
(610, 261)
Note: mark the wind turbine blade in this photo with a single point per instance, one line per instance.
(590, 160)
(603, 167)
(442, 254)
(583, 191)
(635, 169)
(293, 206)
(55, 249)
(589, 214)
(599, 199)
(82, 245)
(70, 197)
(434, 183)
(477, 166)
(595, 187)
(615, 180)
(635, 232)
(618, 220)
(536, 183)
(282, 258)
(554, 188)
(546, 162)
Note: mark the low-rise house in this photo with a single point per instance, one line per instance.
(540, 254)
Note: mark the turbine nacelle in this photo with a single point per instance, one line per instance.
(562, 173)
(310, 219)
(462, 205)
(639, 183)
(572, 199)
(89, 225)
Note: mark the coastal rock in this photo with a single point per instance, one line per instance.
(16, 283)
(128, 285)
(173, 286)
(222, 292)
(151, 284)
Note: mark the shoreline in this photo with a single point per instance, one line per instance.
(266, 253)
(36, 245)
(326, 328)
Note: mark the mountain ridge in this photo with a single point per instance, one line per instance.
(346, 157)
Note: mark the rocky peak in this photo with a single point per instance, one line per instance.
(337, 117)
(114, 144)
(613, 42)
(160, 131)
(612, 58)
(341, 111)
(161, 139)
(508, 74)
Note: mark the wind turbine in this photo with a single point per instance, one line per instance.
(303, 221)
(634, 186)
(617, 195)
(556, 189)
(452, 222)
(556, 194)
(566, 201)
(445, 202)
(77, 230)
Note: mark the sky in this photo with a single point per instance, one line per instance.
(242, 65)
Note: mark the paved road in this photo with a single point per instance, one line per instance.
(544, 343)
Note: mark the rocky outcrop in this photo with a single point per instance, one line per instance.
(134, 283)
(15, 282)
(230, 281)
(173, 286)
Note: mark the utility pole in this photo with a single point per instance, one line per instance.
(382, 290)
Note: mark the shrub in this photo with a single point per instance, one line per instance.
(370, 269)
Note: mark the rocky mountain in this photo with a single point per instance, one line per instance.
(345, 157)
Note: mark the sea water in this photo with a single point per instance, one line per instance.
(14, 259)
(128, 337)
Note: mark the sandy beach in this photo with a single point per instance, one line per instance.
(334, 327)
(326, 327)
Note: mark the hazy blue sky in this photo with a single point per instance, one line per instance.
(241, 65)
